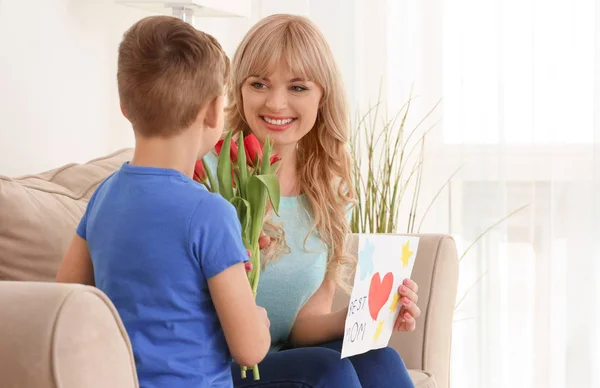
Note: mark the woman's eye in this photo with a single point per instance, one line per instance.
(297, 88)
(258, 85)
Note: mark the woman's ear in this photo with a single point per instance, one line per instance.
(215, 112)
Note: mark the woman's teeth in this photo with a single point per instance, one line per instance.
(277, 122)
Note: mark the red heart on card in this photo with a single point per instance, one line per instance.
(379, 292)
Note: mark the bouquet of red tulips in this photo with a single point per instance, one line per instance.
(246, 177)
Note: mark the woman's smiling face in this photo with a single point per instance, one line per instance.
(283, 106)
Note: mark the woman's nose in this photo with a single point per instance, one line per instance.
(276, 100)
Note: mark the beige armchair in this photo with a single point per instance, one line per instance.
(70, 336)
(57, 335)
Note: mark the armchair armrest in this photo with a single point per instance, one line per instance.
(436, 272)
(63, 335)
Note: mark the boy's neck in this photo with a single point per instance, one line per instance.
(178, 153)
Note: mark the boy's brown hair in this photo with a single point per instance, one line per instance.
(167, 71)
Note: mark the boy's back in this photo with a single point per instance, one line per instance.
(166, 251)
(155, 236)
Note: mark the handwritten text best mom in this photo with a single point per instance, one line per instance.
(357, 330)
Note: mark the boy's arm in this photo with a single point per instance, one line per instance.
(76, 266)
(216, 237)
(244, 324)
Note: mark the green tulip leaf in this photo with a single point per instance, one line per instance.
(256, 195)
(271, 183)
(211, 179)
(224, 169)
(266, 161)
(242, 166)
(243, 210)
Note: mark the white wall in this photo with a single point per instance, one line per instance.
(58, 101)
(58, 97)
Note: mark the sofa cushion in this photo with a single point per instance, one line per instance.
(39, 214)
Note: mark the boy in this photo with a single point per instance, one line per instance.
(167, 252)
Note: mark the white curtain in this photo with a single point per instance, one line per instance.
(519, 82)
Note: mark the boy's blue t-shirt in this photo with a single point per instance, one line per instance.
(155, 236)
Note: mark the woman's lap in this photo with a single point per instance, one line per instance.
(321, 366)
(378, 368)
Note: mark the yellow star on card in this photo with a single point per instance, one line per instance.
(378, 331)
(394, 301)
(406, 254)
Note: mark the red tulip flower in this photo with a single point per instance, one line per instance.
(254, 151)
(233, 150)
(199, 172)
(274, 159)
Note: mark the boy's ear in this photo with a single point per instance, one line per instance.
(123, 111)
(214, 112)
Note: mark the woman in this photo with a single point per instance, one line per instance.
(285, 84)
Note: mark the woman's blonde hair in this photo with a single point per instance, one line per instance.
(323, 157)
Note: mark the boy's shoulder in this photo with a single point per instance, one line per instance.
(214, 204)
(103, 185)
(157, 184)
(180, 192)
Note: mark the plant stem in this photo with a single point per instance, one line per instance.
(490, 228)
(469, 290)
(256, 266)
(253, 277)
(437, 195)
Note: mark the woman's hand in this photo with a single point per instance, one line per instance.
(409, 311)
(265, 317)
(264, 241)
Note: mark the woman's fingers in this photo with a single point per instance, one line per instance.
(405, 321)
(410, 324)
(405, 291)
(411, 284)
(411, 307)
(264, 241)
(409, 311)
